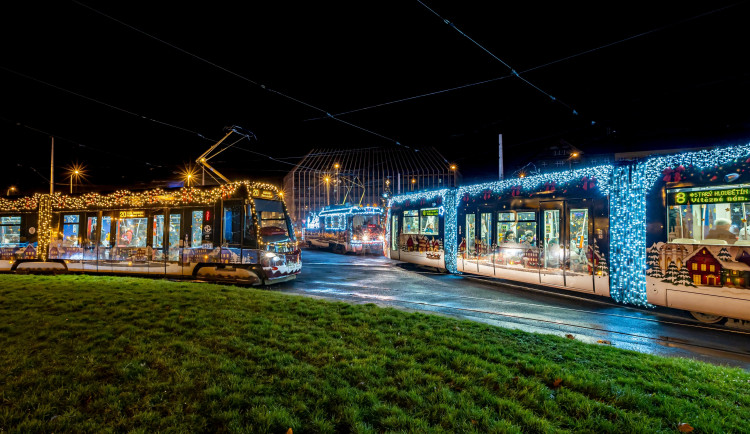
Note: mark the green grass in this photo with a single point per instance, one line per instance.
(104, 354)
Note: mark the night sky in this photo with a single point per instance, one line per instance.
(135, 109)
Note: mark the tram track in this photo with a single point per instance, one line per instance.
(668, 341)
(676, 320)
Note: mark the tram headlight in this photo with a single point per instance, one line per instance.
(270, 255)
(365, 238)
(380, 238)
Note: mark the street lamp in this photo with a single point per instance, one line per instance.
(11, 190)
(454, 169)
(327, 179)
(338, 186)
(75, 171)
(573, 155)
(413, 181)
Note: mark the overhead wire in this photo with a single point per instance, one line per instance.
(262, 86)
(112, 106)
(534, 68)
(77, 143)
(512, 71)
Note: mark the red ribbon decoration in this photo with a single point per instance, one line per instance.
(487, 195)
(673, 175)
(465, 198)
(515, 190)
(550, 186)
(588, 183)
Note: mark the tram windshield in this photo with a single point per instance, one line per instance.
(367, 227)
(716, 215)
(272, 220)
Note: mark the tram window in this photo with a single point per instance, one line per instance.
(10, 230)
(174, 235)
(697, 221)
(411, 221)
(430, 224)
(272, 220)
(196, 236)
(104, 238)
(91, 224)
(516, 227)
(131, 232)
(71, 230)
(470, 232)
(232, 224)
(158, 232)
(485, 230)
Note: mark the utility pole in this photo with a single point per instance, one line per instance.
(500, 157)
(52, 169)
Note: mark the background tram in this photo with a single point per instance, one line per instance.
(238, 231)
(668, 230)
(347, 229)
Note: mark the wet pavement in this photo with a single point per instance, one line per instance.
(588, 318)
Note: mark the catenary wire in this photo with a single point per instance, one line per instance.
(114, 107)
(262, 86)
(534, 68)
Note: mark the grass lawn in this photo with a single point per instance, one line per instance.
(100, 354)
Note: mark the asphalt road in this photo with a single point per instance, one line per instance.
(588, 318)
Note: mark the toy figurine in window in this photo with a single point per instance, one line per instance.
(510, 237)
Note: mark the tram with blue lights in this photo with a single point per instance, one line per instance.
(238, 232)
(667, 230)
(347, 229)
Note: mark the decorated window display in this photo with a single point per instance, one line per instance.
(196, 234)
(158, 232)
(70, 230)
(10, 230)
(132, 232)
(104, 236)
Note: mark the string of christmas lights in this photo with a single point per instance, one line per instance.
(628, 206)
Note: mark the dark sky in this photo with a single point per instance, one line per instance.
(664, 76)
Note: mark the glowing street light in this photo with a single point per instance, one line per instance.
(76, 171)
(11, 190)
(454, 169)
(327, 179)
(336, 166)
(188, 174)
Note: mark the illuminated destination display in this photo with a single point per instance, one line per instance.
(430, 211)
(130, 214)
(739, 194)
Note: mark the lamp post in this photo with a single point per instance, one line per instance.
(454, 169)
(573, 155)
(413, 182)
(327, 179)
(11, 190)
(338, 184)
(75, 173)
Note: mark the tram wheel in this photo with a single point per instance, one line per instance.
(706, 317)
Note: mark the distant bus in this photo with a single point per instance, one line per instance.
(239, 231)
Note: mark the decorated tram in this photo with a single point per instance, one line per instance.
(667, 230)
(238, 231)
(347, 229)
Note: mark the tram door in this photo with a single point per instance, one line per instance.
(579, 248)
(395, 252)
(551, 243)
